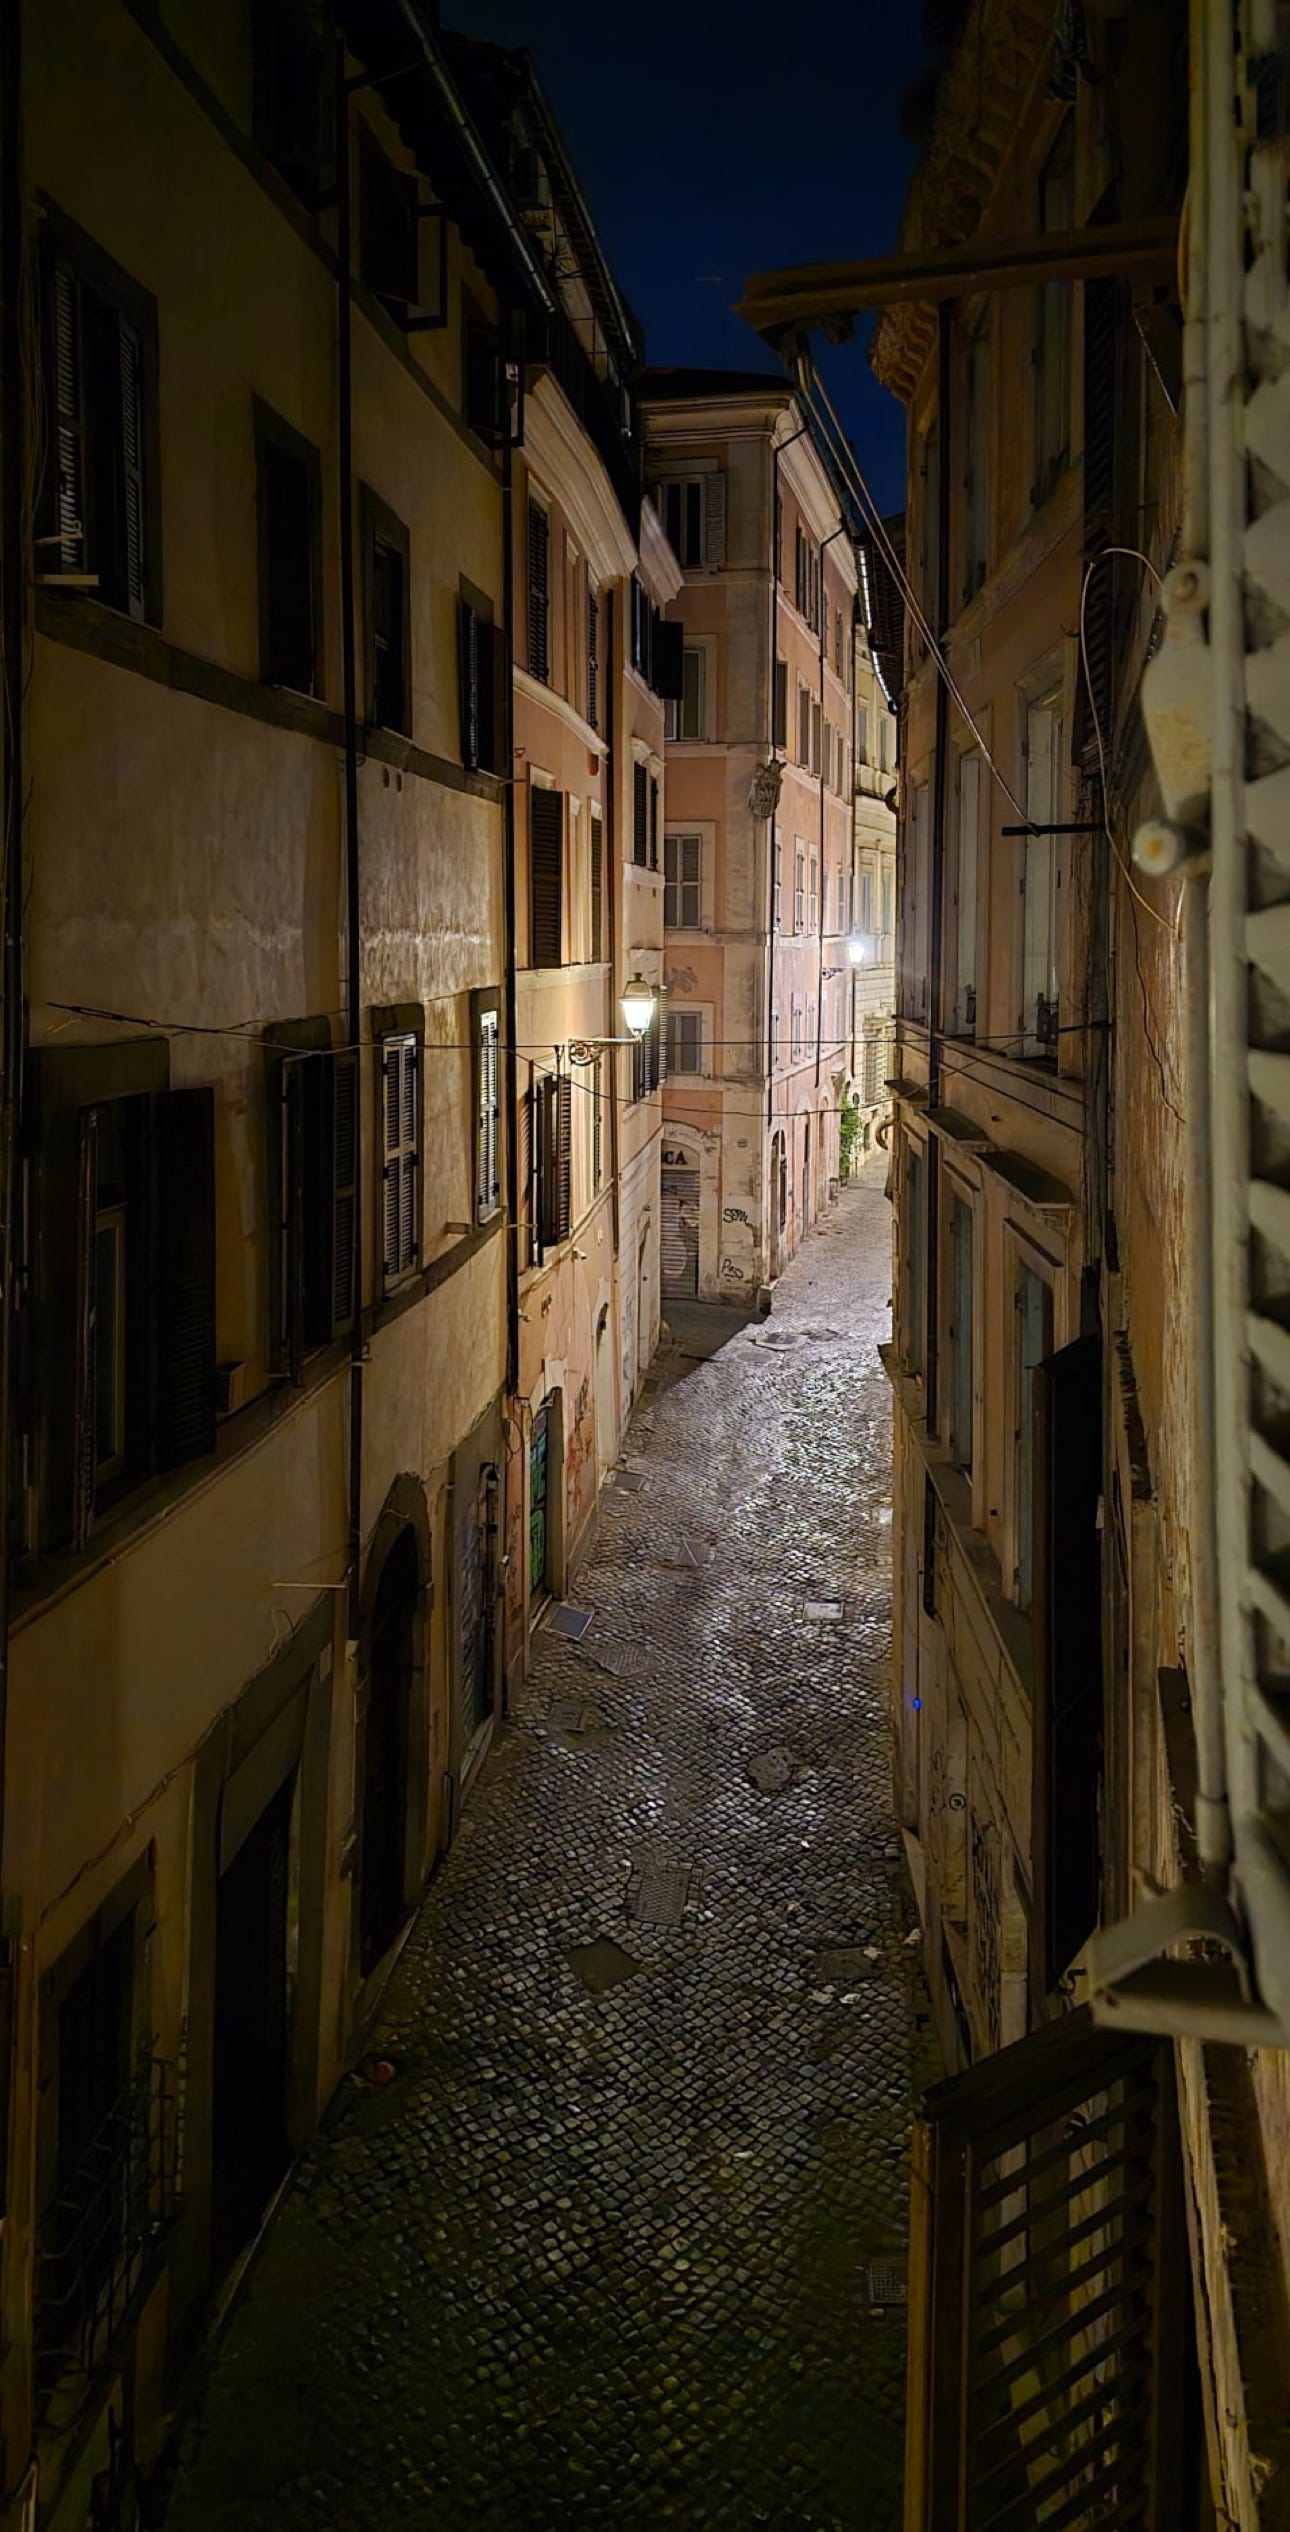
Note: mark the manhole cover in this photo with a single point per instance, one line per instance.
(572, 1721)
(777, 1340)
(886, 2284)
(622, 1661)
(571, 1622)
(602, 1964)
(657, 1893)
(824, 1608)
(629, 1481)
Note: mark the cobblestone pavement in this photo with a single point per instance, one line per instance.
(607, 2251)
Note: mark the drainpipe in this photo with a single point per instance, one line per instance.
(349, 687)
(13, 1017)
(940, 799)
(510, 988)
(776, 453)
(851, 813)
(612, 873)
(824, 886)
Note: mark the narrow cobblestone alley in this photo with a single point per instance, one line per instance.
(615, 2245)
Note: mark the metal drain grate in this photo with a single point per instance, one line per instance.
(572, 1622)
(886, 2284)
(629, 1481)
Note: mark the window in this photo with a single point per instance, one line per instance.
(799, 891)
(688, 717)
(682, 883)
(915, 1230)
(871, 1071)
(486, 380)
(1039, 876)
(539, 592)
(387, 612)
(682, 513)
(839, 644)
(1034, 1343)
(963, 1013)
(292, 107)
(817, 735)
(598, 1125)
(776, 882)
(961, 1316)
(388, 228)
(808, 588)
(916, 906)
(313, 1112)
(653, 821)
(804, 726)
(884, 742)
(975, 474)
(795, 1027)
(289, 506)
(483, 680)
(486, 1013)
(862, 732)
(813, 908)
(546, 877)
(779, 725)
(597, 888)
(645, 1059)
(1052, 345)
(640, 816)
(100, 516)
(593, 658)
(399, 1091)
(554, 1096)
(886, 904)
(123, 1316)
(866, 901)
(685, 1042)
(931, 528)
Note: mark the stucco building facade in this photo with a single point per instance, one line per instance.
(758, 898)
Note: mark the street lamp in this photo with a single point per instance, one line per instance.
(639, 998)
(858, 948)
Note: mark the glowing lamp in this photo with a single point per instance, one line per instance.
(638, 1003)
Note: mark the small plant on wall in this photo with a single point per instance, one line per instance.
(850, 1127)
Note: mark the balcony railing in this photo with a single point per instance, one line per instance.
(99, 2242)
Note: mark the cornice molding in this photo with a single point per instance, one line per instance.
(569, 468)
(660, 570)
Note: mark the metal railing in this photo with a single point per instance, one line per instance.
(99, 2241)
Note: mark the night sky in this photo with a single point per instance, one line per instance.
(714, 138)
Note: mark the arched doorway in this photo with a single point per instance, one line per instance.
(392, 1652)
(778, 1202)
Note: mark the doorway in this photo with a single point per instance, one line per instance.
(807, 1183)
(250, 2149)
(539, 1503)
(606, 1419)
(779, 1202)
(390, 1658)
(680, 1241)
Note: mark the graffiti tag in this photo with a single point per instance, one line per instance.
(733, 1274)
(735, 1213)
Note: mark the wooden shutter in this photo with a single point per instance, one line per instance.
(494, 689)
(344, 1190)
(66, 364)
(1068, 1719)
(539, 590)
(653, 822)
(132, 510)
(779, 723)
(546, 877)
(488, 1187)
(185, 1200)
(548, 1210)
(469, 634)
(564, 1157)
(640, 815)
(597, 888)
(86, 1449)
(714, 532)
(593, 659)
(400, 1156)
(669, 657)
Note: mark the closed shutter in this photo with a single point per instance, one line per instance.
(68, 522)
(597, 889)
(400, 1156)
(593, 659)
(546, 877)
(539, 590)
(86, 1452)
(653, 822)
(640, 816)
(715, 522)
(1105, 309)
(487, 1113)
(779, 724)
(470, 634)
(185, 1202)
(564, 1158)
(344, 1213)
(132, 530)
(803, 726)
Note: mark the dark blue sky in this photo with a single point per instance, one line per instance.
(714, 138)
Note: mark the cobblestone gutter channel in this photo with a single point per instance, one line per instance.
(608, 2250)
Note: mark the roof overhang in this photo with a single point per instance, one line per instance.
(803, 296)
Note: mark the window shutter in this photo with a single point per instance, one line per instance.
(640, 816)
(69, 418)
(715, 522)
(487, 1108)
(779, 725)
(548, 1200)
(86, 1456)
(132, 556)
(344, 1191)
(400, 1156)
(185, 1200)
(546, 877)
(494, 694)
(539, 591)
(564, 1157)
(469, 634)
(593, 659)
(597, 889)
(668, 655)
(803, 726)
(1104, 305)
(653, 822)
(671, 889)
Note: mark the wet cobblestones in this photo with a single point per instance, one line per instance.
(605, 2251)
